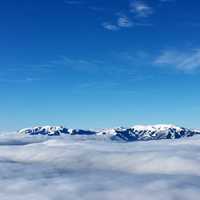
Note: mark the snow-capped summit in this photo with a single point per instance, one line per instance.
(55, 130)
(162, 131)
(155, 127)
(43, 130)
(134, 133)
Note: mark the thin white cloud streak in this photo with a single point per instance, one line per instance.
(78, 169)
(185, 61)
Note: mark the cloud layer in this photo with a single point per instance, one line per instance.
(65, 168)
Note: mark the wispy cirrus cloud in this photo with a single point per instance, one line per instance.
(141, 8)
(136, 13)
(187, 61)
(121, 19)
(124, 22)
(132, 17)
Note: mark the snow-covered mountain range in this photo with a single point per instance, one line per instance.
(135, 133)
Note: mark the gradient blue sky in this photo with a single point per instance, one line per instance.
(99, 63)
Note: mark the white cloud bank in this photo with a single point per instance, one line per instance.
(80, 169)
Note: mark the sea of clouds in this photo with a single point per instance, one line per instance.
(81, 168)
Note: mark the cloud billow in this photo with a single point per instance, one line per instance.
(58, 168)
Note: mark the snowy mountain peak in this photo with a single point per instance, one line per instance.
(156, 127)
(43, 130)
(135, 133)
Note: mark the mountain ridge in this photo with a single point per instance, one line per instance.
(134, 133)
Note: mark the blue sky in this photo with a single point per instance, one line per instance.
(98, 63)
